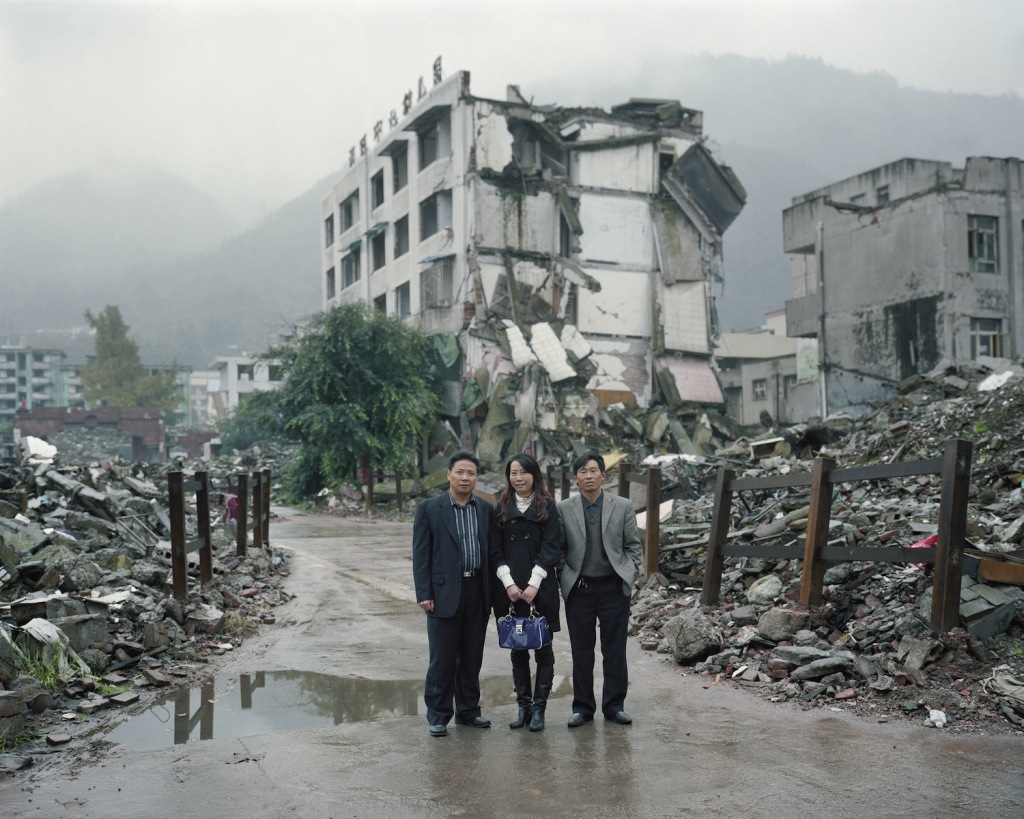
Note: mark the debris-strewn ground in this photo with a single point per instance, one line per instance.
(85, 548)
(869, 648)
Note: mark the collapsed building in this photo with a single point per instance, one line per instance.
(562, 258)
(904, 269)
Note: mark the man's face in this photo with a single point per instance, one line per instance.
(462, 478)
(590, 477)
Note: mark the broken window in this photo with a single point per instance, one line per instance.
(378, 252)
(349, 211)
(882, 194)
(377, 189)
(380, 304)
(331, 284)
(986, 337)
(564, 237)
(983, 244)
(402, 236)
(245, 372)
(437, 283)
(329, 231)
(435, 213)
(431, 142)
(400, 168)
(666, 159)
(403, 305)
(350, 270)
(759, 389)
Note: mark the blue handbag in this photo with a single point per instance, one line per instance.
(517, 632)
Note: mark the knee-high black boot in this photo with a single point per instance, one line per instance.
(545, 679)
(521, 681)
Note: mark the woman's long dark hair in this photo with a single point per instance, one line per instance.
(507, 494)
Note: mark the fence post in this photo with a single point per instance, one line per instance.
(949, 551)
(712, 585)
(624, 480)
(257, 510)
(179, 559)
(203, 513)
(813, 576)
(265, 507)
(653, 544)
(242, 514)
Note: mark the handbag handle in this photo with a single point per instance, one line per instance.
(512, 610)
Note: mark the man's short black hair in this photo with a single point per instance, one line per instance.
(581, 461)
(463, 455)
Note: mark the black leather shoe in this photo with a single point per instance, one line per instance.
(621, 717)
(577, 719)
(475, 722)
(439, 730)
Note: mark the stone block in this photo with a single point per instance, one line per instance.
(83, 630)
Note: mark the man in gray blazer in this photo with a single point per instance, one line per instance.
(453, 582)
(602, 559)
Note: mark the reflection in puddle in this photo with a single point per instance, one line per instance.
(275, 701)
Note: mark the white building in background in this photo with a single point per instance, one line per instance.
(231, 377)
(582, 240)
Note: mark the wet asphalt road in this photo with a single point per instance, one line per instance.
(322, 716)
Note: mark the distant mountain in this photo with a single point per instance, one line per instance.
(191, 287)
(237, 298)
(67, 244)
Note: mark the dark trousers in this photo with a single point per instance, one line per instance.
(593, 601)
(456, 654)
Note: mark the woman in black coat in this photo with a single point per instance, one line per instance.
(526, 548)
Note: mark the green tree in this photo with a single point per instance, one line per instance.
(116, 377)
(359, 392)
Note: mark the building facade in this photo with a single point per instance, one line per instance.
(575, 246)
(229, 378)
(32, 377)
(904, 267)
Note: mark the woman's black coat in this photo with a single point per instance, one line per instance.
(521, 543)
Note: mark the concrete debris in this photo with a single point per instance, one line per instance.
(85, 585)
(869, 645)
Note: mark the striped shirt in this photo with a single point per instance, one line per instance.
(469, 537)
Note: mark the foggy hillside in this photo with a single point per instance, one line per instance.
(191, 287)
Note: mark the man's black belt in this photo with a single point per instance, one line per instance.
(473, 573)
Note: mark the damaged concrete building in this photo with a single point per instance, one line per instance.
(905, 267)
(563, 258)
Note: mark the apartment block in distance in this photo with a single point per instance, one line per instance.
(31, 377)
(564, 256)
(904, 267)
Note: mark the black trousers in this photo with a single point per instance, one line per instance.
(456, 654)
(594, 601)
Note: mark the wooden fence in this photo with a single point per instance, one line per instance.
(181, 547)
(816, 552)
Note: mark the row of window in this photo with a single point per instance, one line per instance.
(429, 144)
(434, 210)
(437, 286)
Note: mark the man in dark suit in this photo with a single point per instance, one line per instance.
(602, 558)
(453, 583)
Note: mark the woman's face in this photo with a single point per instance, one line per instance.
(521, 480)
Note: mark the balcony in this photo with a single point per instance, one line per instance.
(803, 316)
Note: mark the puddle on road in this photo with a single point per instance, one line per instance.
(277, 701)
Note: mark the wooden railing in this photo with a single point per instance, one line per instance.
(816, 552)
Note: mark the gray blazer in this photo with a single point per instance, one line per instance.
(621, 540)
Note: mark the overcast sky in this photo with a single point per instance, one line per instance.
(253, 102)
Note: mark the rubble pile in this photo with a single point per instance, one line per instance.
(85, 579)
(869, 648)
